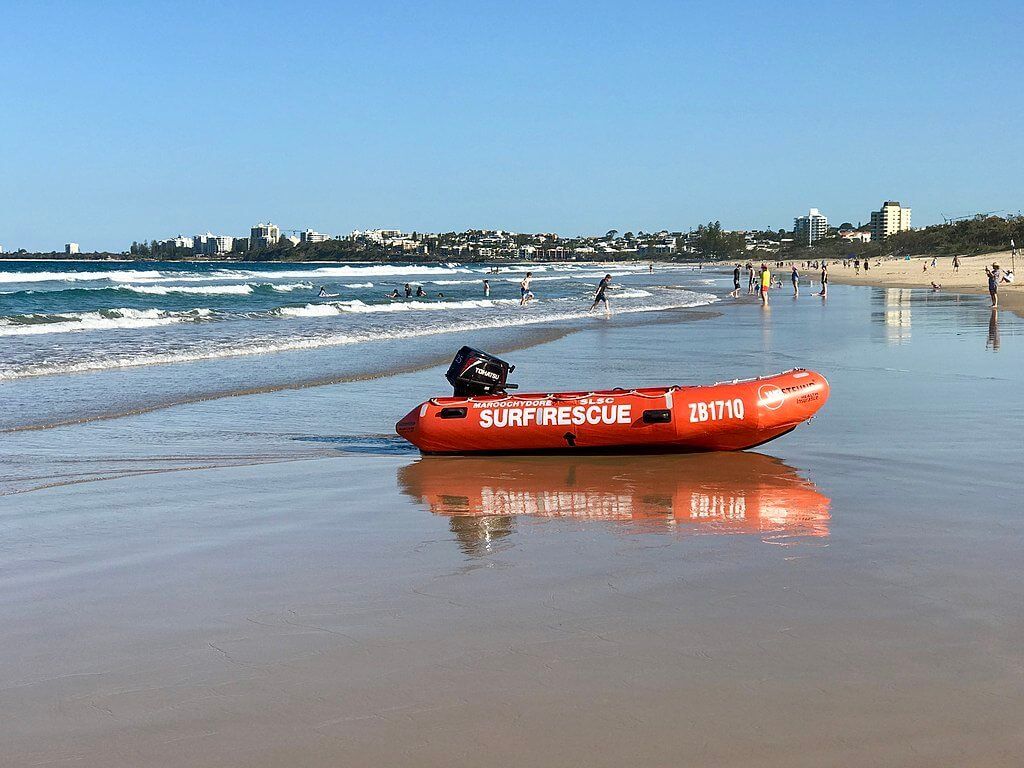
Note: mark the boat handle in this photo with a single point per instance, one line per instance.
(663, 416)
(452, 413)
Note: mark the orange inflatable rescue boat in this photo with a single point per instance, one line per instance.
(483, 418)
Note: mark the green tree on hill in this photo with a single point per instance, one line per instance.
(712, 242)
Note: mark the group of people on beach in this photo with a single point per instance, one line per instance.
(760, 282)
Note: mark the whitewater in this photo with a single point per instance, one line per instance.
(86, 318)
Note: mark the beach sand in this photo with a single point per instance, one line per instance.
(326, 597)
(970, 278)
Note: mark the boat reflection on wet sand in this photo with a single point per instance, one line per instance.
(707, 493)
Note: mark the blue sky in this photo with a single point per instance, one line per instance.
(122, 121)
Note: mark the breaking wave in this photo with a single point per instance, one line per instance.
(244, 348)
(120, 276)
(359, 307)
(104, 319)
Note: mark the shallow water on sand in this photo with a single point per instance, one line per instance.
(853, 598)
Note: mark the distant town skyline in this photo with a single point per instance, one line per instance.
(568, 117)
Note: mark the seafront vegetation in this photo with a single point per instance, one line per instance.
(969, 237)
(708, 242)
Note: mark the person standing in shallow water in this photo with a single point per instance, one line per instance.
(736, 282)
(795, 277)
(995, 274)
(487, 289)
(600, 296)
(766, 284)
(525, 294)
(824, 280)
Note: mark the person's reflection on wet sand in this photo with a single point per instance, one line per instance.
(477, 535)
(737, 493)
(993, 331)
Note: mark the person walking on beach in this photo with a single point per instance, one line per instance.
(600, 296)
(795, 277)
(824, 280)
(487, 289)
(766, 284)
(524, 289)
(995, 276)
(736, 282)
(956, 264)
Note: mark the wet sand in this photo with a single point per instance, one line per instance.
(853, 598)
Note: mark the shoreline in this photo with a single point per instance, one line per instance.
(970, 279)
(531, 336)
(910, 273)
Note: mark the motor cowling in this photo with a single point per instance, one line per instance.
(473, 372)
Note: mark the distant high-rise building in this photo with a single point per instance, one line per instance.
(811, 227)
(891, 219)
(211, 244)
(70, 248)
(263, 235)
(181, 242)
(309, 236)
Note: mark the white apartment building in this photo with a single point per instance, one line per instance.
(263, 235)
(309, 236)
(891, 219)
(70, 248)
(180, 242)
(376, 235)
(211, 244)
(811, 227)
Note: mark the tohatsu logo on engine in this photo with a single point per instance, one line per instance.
(770, 396)
(551, 416)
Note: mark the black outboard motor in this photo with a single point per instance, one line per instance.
(473, 372)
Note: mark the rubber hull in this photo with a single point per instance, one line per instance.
(729, 416)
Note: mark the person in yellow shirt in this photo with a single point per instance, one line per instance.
(766, 283)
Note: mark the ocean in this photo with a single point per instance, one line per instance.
(80, 339)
